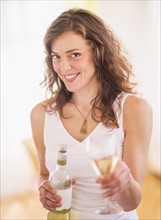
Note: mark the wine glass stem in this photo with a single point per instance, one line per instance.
(108, 202)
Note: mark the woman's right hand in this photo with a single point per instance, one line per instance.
(48, 196)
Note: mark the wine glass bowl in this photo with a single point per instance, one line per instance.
(103, 152)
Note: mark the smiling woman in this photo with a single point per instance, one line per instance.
(23, 24)
(94, 95)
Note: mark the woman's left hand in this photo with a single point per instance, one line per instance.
(117, 181)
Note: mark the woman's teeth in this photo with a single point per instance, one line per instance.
(71, 76)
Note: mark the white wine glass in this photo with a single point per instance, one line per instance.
(103, 151)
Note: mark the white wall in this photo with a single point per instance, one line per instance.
(23, 26)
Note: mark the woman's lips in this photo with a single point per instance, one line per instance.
(71, 77)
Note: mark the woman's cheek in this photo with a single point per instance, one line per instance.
(56, 69)
(57, 72)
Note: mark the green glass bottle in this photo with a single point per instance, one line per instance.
(60, 179)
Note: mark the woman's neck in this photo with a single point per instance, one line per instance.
(85, 96)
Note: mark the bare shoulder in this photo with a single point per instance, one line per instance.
(37, 118)
(38, 112)
(137, 113)
(137, 105)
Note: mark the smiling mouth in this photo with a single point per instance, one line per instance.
(71, 77)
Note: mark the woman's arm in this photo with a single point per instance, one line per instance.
(125, 182)
(47, 192)
(37, 125)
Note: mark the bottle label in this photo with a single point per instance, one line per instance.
(66, 196)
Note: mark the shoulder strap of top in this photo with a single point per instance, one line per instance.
(118, 107)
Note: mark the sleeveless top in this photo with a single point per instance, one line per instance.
(87, 194)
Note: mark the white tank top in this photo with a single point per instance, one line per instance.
(87, 195)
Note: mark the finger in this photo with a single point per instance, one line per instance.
(49, 205)
(45, 193)
(73, 181)
(114, 191)
(118, 180)
(109, 178)
(47, 186)
(50, 196)
(118, 187)
(50, 208)
(121, 169)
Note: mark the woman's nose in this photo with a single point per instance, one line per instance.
(65, 64)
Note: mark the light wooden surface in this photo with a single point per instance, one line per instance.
(28, 207)
(150, 206)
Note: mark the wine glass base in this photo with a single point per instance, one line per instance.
(108, 210)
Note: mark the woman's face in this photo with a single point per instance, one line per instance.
(72, 60)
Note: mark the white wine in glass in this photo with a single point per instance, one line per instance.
(103, 151)
(104, 166)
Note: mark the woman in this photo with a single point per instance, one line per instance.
(92, 92)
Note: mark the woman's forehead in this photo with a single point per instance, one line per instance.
(69, 41)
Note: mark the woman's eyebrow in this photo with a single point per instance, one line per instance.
(69, 51)
(53, 52)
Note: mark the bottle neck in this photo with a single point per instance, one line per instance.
(61, 160)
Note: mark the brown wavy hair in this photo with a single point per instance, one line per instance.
(113, 71)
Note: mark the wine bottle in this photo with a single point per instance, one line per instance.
(60, 179)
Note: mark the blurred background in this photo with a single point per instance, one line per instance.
(23, 26)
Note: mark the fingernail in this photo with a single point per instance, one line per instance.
(58, 205)
(59, 198)
(98, 181)
(53, 191)
(112, 198)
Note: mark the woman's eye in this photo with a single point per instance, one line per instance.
(75, 55)
(54, 57)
